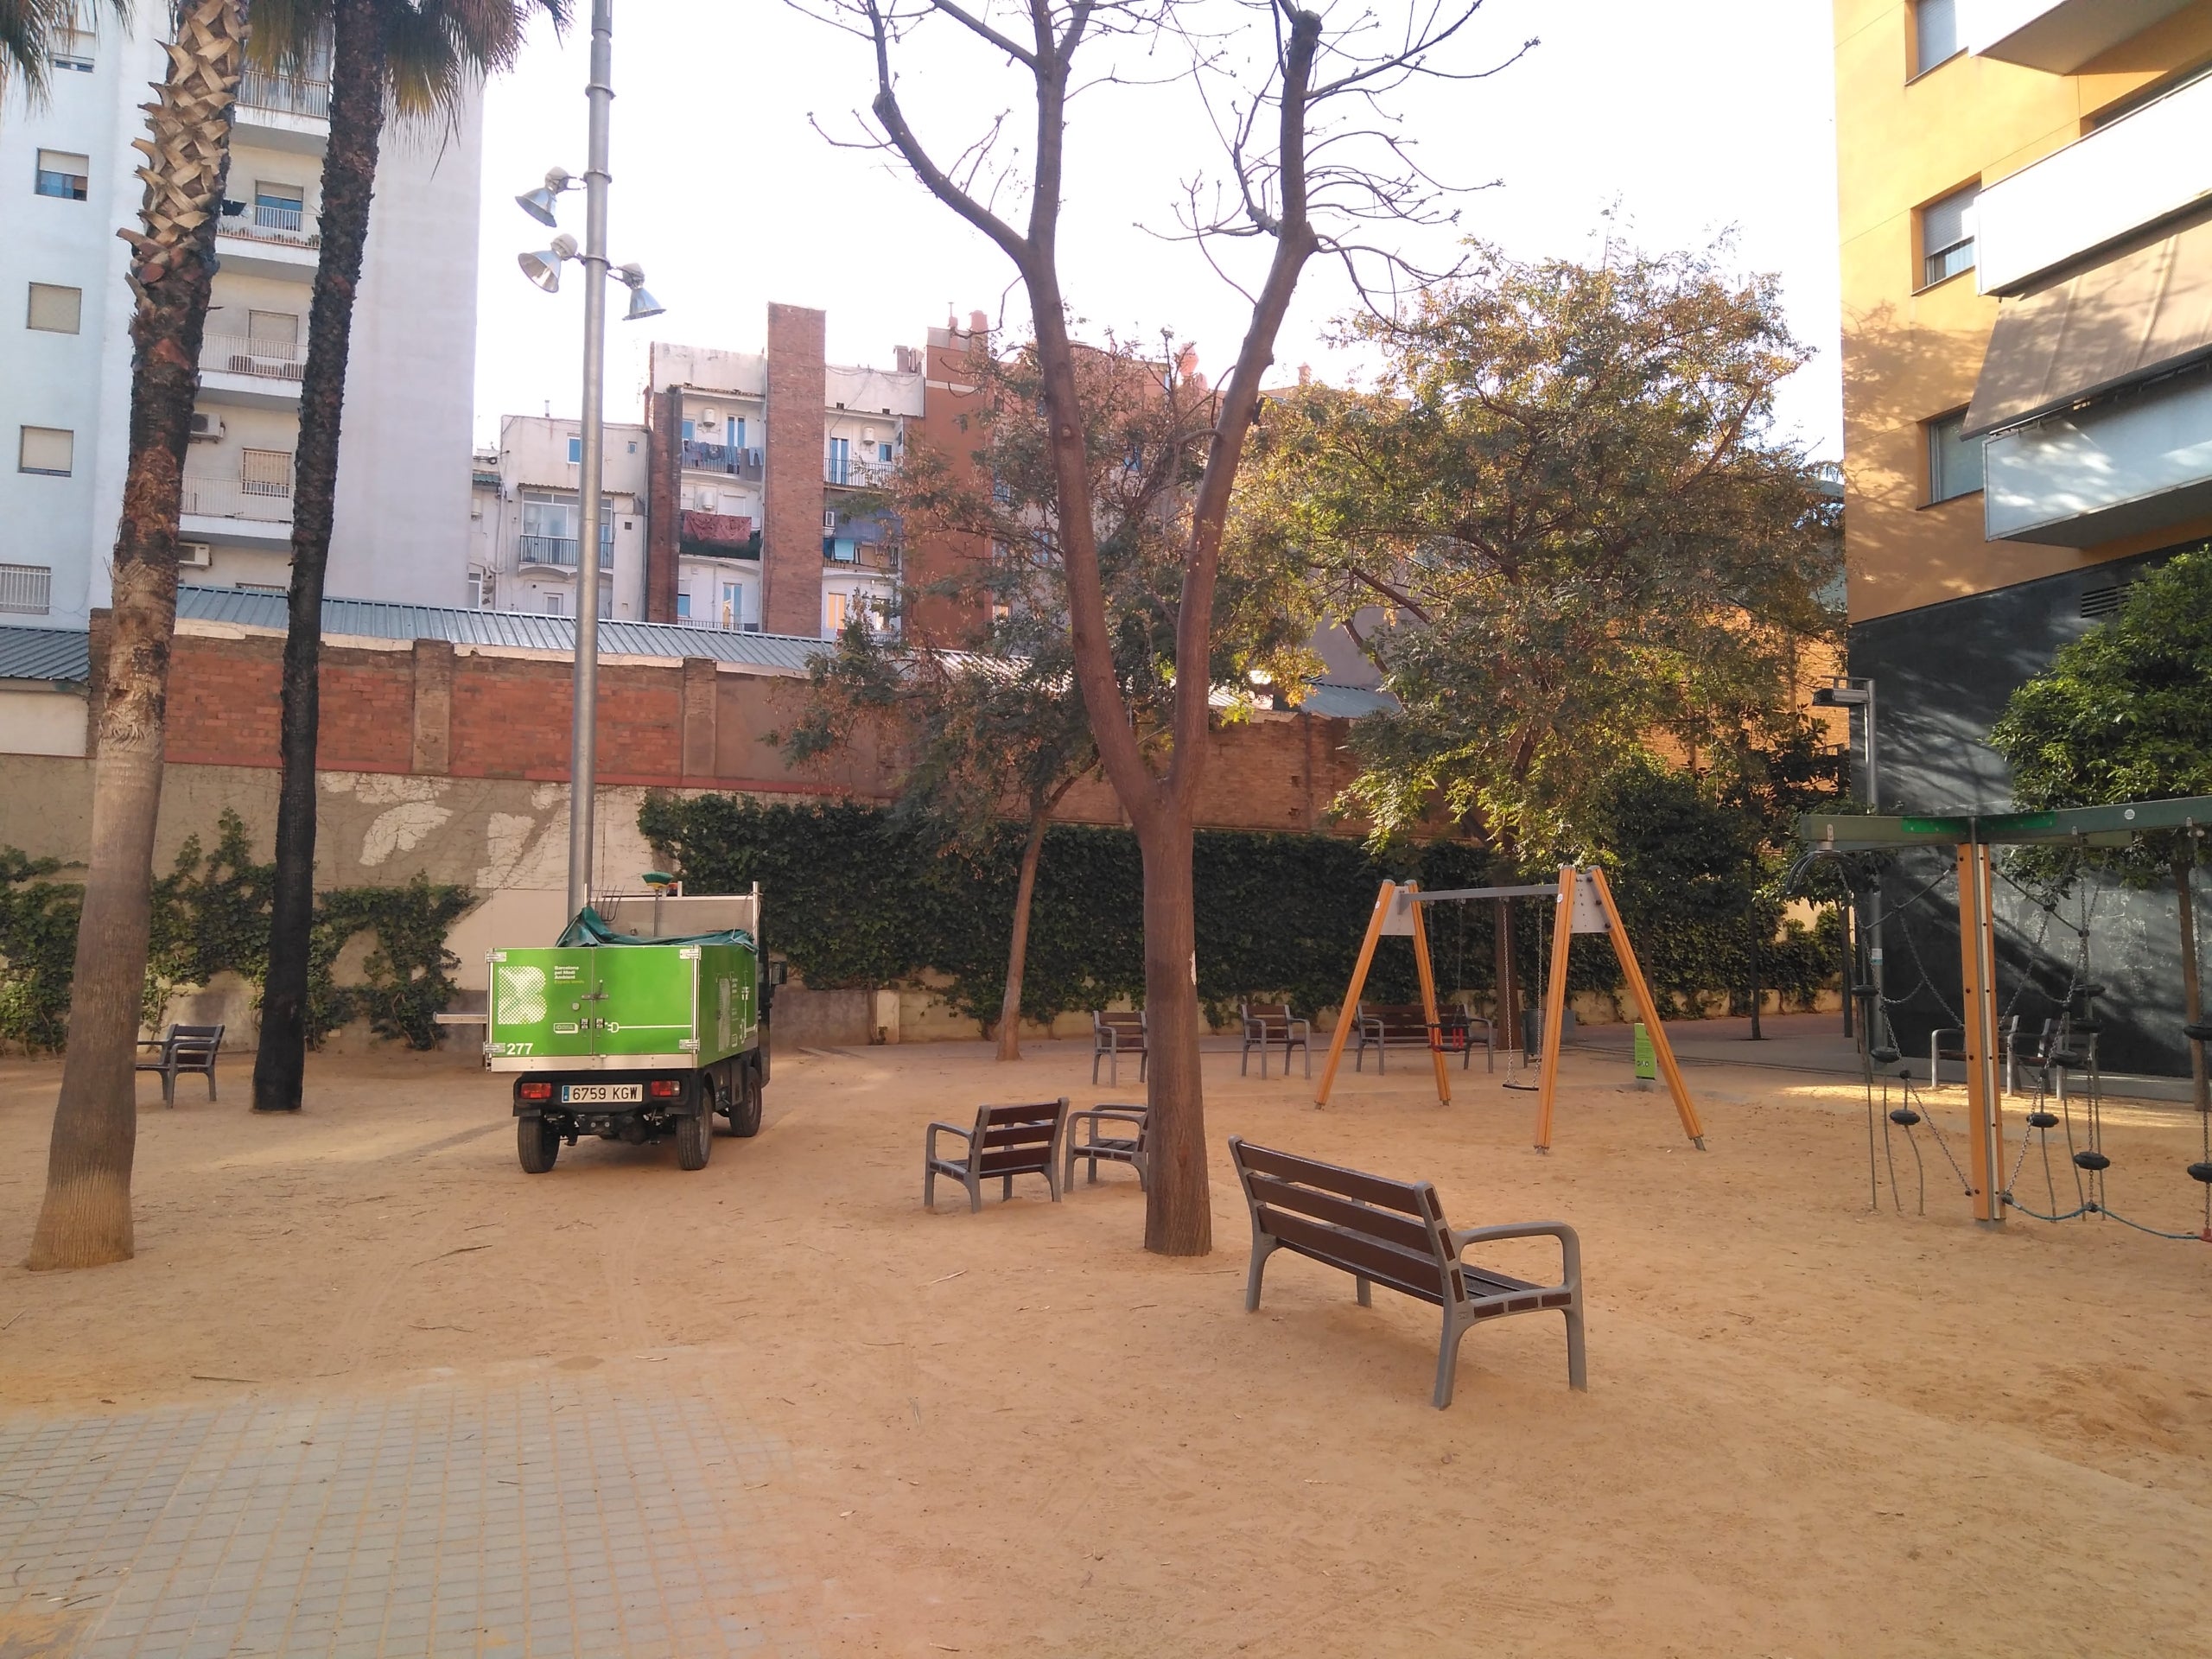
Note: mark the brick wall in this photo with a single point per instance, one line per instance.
(950, 397)
(431, 709)
(791, 540)
(664, 473)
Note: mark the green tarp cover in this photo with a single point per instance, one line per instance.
(591, 928)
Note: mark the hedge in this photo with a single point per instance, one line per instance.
(854, 896)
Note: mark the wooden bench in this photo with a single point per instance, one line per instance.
(1393, 1233)
(1385, 1025)
(1084, 1140)
(1113, 1035)
(182, 1050)
(1273, 1022)
(1007, 1141)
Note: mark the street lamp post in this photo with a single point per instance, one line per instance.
(544, 268)
(1847, 693)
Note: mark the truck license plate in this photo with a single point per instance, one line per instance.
(598, 1094)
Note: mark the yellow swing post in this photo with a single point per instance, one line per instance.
(1978, 966)
(1349, 1010)
(1639, 991)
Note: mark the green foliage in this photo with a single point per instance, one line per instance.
(2123, 714)
(1568, 481)
(406, 979)
(38, 951)
(210, 916)
(860, 897)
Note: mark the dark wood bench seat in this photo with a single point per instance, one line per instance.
(1393, 1233)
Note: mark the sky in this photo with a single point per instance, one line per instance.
(1669, 126)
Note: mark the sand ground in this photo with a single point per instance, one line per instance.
(1810, 1429)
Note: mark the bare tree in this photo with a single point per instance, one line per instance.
(1299, 178)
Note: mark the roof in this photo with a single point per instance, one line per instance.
(45, 654)
(367, 618)
(1345, 702)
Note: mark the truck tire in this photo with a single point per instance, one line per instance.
(745, 1100)
(694, 1140)
(537, 1144)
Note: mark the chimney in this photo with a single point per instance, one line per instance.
(1186, 362)
(979, 322)
(1306, 374)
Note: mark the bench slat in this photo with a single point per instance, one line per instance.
(1394, 1229)
(1406, 1197)
(1009, 1135)
(1416, 1275)
(1013, 1163)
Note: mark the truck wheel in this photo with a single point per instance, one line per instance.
(537, 1143)
(694, 1140)
(744, 1100)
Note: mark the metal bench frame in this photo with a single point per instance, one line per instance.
(1084, 1141)
(1394, 1233)
(182, 1051)
(1006, 1142)
(1114, 1035)
(1273, 1022)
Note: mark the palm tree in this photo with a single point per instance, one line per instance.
(416, 59)
(85, 1218)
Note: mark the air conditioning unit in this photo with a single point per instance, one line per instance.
(193, 556)
(207, 428)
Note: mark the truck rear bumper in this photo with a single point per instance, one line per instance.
(666, 1093)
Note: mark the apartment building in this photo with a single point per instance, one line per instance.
(68, 183)
(2026, 237)
(526, 519)
(760, 463)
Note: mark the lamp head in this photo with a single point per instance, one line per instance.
(1840, 697)
(540, 203)
(642, 304)
(545, 268)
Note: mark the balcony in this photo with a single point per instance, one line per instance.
(2128, 464)
(286, 112)
(559, 552)
(729, 459)
(2148, 165)
(252, 373)
(879, 558)
(2058, 36)
(857, 474)
(231, 511)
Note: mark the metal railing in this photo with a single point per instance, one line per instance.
(865, 556)
(263, 223)
(26, 589)
(857, 474)
(260, 89)
(559, 550)
(266, 503)
(266, 360)
(734, 461)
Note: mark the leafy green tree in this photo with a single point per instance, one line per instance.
(418, 61)
(2125, 714)
(1588, 547)
(84, 1218)
(997, 729)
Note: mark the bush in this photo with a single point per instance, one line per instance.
(38, 951)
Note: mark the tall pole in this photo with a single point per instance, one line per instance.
(1878, 1015)
(583, 753)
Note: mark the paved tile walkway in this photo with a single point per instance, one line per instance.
(559, 1514)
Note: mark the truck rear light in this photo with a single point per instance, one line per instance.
(663, 1089)
(533, 1092)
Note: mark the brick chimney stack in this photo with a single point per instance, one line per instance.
(790, 541)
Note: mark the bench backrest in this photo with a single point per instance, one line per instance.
(1017, 1139)
(1396, 1017)
(194, 1042)
(1127, 1027)
(1267, 1013)
(1390, 1231)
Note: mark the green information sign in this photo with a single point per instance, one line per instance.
(1647, 1062)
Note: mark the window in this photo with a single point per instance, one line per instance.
(733, 612)
(276, 331)
(1953, 459)
(633, 447)
(1947, 236)
(1934, 34)
(26, 589)
(683, 607)
(46, 449)
(479, 590)
(265, 472)
(57, 310)
(279, 207)
(64, 174)
(838, 610)
(556, 604)
(549, 527)
(883, 454)
(689, 433)
(575, 452)
(841, 462)
(737, 434)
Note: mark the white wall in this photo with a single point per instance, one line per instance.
(41, 719)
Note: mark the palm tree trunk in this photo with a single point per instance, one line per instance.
(1017, 954)
(349, 171)
(85, 1217)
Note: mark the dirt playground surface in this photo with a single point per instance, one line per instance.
(1810, 1430)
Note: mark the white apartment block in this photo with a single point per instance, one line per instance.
(67, 184)
(526, 519)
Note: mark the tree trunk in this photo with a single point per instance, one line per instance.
(85, 1217)
(1017, 952)
(2192, 985)
(1178, 1202)
(349, 171)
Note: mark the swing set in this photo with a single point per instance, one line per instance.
(1583, 903)
(1971, 838)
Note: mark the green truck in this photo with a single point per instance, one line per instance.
(645, 1022)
